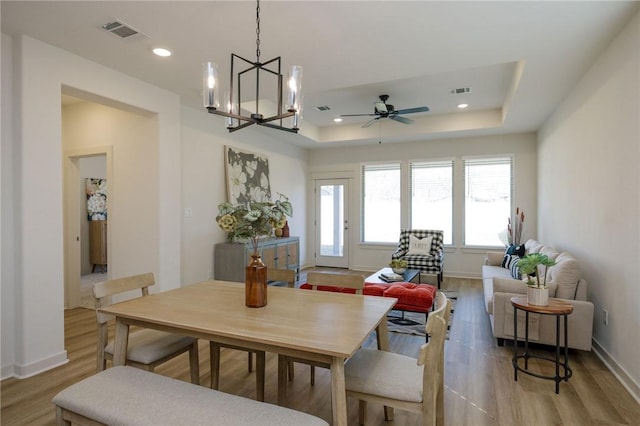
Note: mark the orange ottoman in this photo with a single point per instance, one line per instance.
(412, 297)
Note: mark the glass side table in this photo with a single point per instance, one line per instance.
(560, 309)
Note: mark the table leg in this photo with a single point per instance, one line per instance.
(214, 364)
(121, 342)
(566, 351)
(526, 340)
(515, 343)
(557, 378)
(282, 379)
(338, 392)
(382, 335)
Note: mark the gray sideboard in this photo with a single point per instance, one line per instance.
(230, 259)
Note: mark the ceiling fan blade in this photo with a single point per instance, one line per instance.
(369, 123)
(403, 120)
(357, 115)
(413, 110)
(380, 106)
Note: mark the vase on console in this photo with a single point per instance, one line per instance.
(256, 283)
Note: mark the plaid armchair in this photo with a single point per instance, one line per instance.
(430, 264)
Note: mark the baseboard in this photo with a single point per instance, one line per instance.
(632, 387)
(24, 371)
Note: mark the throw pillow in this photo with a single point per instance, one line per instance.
(419, 246)
(508, 259)
(518, 250)
(515, 273)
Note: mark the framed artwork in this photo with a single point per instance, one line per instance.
(247, 176)
(96, 190)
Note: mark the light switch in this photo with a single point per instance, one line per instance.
(188, 212)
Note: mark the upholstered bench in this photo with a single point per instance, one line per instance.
(130, 396)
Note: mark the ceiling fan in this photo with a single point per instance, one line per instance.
(384, 110)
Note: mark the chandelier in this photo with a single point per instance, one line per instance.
(232, 101)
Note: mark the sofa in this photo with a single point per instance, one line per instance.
(564, 282)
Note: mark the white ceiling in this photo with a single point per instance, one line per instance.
(519, 58)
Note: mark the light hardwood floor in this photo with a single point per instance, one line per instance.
(479, 385)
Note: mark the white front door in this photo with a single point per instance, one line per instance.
(332, 226)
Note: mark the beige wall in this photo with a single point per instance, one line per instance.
(35, 283)
(133, 194)
(589, 194)
(459, 261)
(203, 184)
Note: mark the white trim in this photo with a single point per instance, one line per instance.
(617, 370)
(40, 366)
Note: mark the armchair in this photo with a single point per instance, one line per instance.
(429, 262)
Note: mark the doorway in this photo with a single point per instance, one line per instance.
(80, 164)
(332, 223)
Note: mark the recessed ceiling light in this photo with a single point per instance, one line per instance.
(160, 51)
(463, 106)
(337, 119)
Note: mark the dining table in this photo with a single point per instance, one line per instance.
(320, 326)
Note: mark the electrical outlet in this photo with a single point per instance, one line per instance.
(188, 212)
(605, 317)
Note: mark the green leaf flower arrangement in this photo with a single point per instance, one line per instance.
(528, 265)
(249, 222)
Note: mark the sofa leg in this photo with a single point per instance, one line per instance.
(500, 341)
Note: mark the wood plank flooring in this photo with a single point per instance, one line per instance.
(479, 385)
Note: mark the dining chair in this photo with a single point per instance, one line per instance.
(399, 381)
(327, 281)
(285, 275)
(146, 348)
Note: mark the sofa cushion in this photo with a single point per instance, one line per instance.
(513, 267)
(532, 246)
(565, 274)
(410, 294)
(518, 250)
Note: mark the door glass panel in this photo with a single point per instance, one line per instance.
(332, 220)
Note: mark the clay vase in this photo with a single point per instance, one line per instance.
(285, 230)
(255, 283)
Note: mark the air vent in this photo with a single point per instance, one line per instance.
(460, 91)
(121, 29)
(322, 108)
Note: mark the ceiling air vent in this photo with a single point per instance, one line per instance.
(322, 108)
(460, 91)
(120, 29)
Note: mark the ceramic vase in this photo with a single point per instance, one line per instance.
(538, 296)
(256, 283)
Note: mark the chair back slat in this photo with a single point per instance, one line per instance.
(286, 275)
(329, 279)
(103, 291)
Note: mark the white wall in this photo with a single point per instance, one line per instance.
(589, 202)
(35, 282)
(459, 261)
(203, 184)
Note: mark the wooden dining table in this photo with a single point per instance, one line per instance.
(320, 326)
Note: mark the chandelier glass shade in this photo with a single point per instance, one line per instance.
(270, 71)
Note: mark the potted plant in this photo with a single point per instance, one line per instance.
(537, 291)
(398, 266)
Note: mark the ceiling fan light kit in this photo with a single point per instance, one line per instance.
(231, 106)
(382, 109)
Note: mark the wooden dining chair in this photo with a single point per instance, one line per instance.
(146, 348)
(328, 281)
(285, 275)
(399, 381)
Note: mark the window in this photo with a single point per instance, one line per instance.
(487, 203)
(381, 203)
(432, 196)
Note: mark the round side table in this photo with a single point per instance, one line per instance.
(560, 309)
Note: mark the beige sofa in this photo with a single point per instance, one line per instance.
(564, 282)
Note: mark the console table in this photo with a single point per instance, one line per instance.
(230, 259)
(556, 307)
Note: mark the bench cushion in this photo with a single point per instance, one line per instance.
(130, 396)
